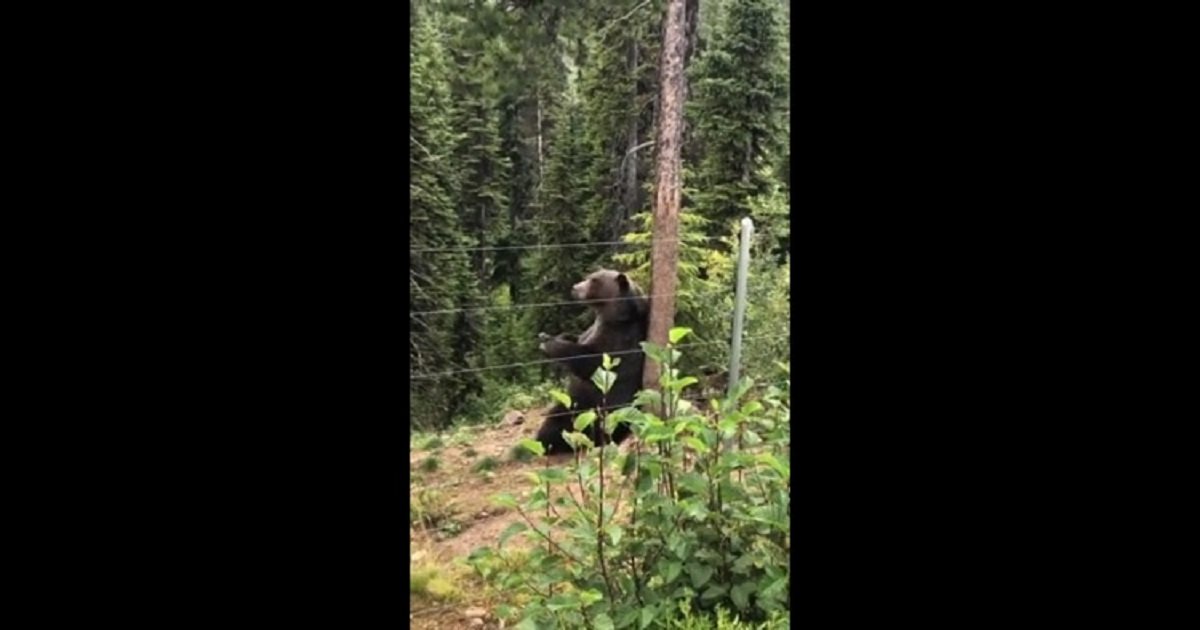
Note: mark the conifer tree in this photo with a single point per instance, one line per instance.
(618, 84)
(438, 279)
(565, 191)
(739, 87)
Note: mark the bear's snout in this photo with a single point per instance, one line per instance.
(579, 291)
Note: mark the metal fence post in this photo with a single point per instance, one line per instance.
(739, 304)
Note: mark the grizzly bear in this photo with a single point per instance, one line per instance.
(619, 329)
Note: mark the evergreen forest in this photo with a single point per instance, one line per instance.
(532, 159)
(533, 133)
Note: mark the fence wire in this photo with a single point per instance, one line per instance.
(540, 304)
(418, 377)
(554, 245)
(695, 397)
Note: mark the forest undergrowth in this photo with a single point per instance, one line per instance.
(685, 525)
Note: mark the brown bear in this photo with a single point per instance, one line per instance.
(620, 327)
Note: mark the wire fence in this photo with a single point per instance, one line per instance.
(689, 397)
(543, 304)
(417, 377)
(427, 250)
(417, 315)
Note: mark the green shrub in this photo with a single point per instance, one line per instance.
(434, 442)
(519, 453)
(486, 464)
(695, 518)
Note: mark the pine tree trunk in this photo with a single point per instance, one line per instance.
(665, 248)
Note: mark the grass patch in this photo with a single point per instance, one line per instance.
(430, 464)
(433, 511)
(462, 437)
(432, 580)
(519, 453)
(486, 464)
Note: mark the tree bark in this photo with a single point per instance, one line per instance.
(668, 192)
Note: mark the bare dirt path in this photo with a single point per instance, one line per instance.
(470, 470)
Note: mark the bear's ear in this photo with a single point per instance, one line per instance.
(623, 282)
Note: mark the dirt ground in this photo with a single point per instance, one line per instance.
(466, 493)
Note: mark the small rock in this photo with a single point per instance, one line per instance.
(475, 622)
(475, 612)
(514, 418)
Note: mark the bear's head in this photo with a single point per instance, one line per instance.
(621, 299)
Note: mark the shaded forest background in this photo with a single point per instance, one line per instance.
(532, 126)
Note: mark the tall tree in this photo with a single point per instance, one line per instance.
(439, 275)
(617, 88)
(566, 189)
(739, 89)
(669, 188)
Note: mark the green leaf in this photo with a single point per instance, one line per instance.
(693, 483)
(563, 601)
(697, 511)
(625, 617)
(590, 596)
(584, 420)
(646, 618)
(695, 443)
(743, 564)
(657, 434)
(505, 500)
(700, 574)
(546, 475)
(682, 406)
(741, 594)
(561, 397)
(608, 362)
(602, 622)
(776, 587)
(577, 440)
(648, 396)
(714, 591)
(527, 623)
(770, 460)
(533, 446)
(615, 533)
(510, 531)
(604, 379)
(683, 382)
(655, 352)
(672, 571)
(678, 333)
(752, 407)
